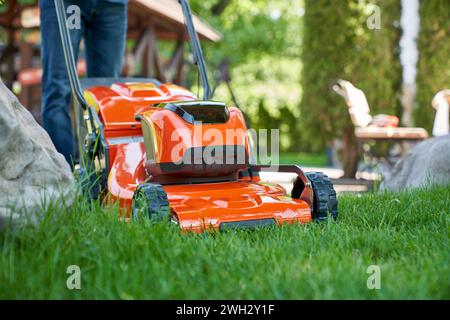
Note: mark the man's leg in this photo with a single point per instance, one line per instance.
(105, 39)
(55, 83)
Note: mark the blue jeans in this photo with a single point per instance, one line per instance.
(103, 26)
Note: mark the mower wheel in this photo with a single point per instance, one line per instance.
(91, 184)
(150, 203)
(325, 201)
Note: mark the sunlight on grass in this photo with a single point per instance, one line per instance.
(304, 159)
(405, 234)
(298, 158)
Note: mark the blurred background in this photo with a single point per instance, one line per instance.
(277, 60)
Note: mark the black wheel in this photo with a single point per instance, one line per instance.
(150, 203)
(92, 183)
(325, 201)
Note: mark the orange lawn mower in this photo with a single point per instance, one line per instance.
(142, 149)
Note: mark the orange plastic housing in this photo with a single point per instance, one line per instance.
(194, 207)
(173, 133)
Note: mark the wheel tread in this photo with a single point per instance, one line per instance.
(156, 201)
(326, 200)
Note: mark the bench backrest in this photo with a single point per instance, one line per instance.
(356, 100)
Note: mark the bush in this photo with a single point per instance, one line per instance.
(268, 91)
(338, 44)
(433, 67)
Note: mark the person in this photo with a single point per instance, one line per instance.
(441, 102)
(102, 25)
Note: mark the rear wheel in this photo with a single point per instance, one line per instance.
(92, 183)
(150, 203)
(325, 201)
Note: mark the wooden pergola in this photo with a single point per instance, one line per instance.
(149, 21)
(152, 20)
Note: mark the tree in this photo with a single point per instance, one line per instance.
(434, 61)
(261, 40)
(251, 28)
(339, 43)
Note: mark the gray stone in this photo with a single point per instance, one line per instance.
(428, 163)
(32, 173)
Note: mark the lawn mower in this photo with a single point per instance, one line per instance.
(142, 148)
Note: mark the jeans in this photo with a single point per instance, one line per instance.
(103, 26)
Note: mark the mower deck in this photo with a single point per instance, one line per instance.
(202, 206)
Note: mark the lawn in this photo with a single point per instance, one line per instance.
(406, 235)
(303, 159)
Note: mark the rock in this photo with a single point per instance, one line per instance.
(428, 163)
(32, 173)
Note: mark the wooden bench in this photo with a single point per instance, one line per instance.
(370, 131)
(365, 129)
(390, 133)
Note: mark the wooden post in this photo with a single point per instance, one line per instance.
(26, 57)
(150, 60)
(8, 59)
(8, 55)
(153, 49)
(140, 53)
(175, 64)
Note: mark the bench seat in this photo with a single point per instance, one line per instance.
(390, 133)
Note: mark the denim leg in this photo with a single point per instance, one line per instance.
(55, 83)
(105, 39)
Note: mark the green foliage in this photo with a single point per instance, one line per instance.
(406, 234)
(268, 91)
(4, 4)
(303, 159)
(434, 58)
(262, 41)
(338, 44)
(253, 28)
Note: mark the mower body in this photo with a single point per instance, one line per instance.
(160, 152)
(159, 133)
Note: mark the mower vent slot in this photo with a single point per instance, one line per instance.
(246, 224)
(206, 113)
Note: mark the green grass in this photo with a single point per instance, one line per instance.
(406, 234)
(302, 159)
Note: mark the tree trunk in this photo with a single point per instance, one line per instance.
(219, 7)
(349, 153)
(408, 56)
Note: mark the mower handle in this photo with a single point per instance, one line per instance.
(196, 47)
(68, 54)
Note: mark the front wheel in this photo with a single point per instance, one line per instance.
(92, 184)
(325, 201)
(150, 203)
